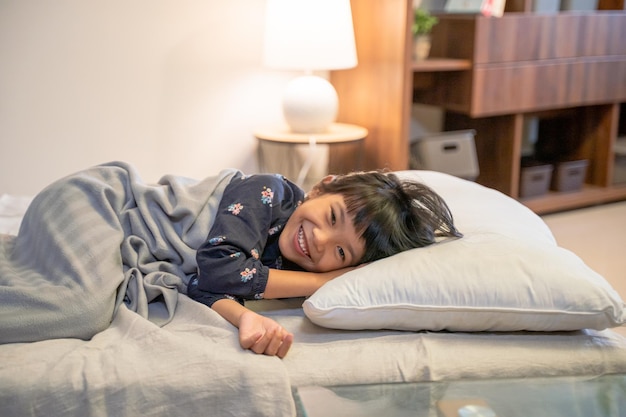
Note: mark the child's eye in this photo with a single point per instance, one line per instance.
(342, 254)
(333, 219)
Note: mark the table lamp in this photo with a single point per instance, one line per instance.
(309, 35)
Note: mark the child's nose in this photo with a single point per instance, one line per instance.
(321, 238)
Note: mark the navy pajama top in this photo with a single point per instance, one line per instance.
(242, 245)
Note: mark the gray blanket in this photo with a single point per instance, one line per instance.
(97, 239)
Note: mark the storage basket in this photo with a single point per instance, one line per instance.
(534, 179)
(450, 152)
(569, 176)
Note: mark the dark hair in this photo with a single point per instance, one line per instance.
(392, 215)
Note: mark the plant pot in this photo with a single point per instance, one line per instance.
(421, 47)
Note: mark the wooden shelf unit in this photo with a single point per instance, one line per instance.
(524, 62)
(490, 74)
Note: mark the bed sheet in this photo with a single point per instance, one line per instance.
(12, 209)
(194, 365)
(325, 357)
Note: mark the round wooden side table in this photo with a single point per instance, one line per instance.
(276, 144)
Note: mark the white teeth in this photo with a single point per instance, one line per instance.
(301, 241)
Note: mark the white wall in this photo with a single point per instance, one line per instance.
(172, 86)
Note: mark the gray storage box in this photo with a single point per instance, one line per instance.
(534, 179)
(569, 175)
(579, 5)
(619, 168)
(450, 152)
(546, 6)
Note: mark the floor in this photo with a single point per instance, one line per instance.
(598, 236)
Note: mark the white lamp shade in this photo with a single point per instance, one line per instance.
(309, 35)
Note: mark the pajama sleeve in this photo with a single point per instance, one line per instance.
(251, 214)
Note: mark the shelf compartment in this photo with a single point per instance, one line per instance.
(590, 195)
(441, 64)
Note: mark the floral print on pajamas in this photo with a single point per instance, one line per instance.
(242, 245)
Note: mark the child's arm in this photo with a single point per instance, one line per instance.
(262, 334)
(256, 332)
(287, 284)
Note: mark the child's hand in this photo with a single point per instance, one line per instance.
(263, 335)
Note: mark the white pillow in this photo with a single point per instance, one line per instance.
(506, 274)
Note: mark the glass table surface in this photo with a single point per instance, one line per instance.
(603, 396)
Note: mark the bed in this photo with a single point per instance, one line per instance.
(502, 302)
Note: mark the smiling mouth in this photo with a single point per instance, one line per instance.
(302, 242)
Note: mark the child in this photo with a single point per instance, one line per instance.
(102, 239)
(269, 240)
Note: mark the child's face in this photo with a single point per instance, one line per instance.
(319, 236)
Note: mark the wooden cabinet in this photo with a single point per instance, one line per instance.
(523, 62)
(492, 75)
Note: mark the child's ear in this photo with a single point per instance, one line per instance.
(328, 178)
(316, 190)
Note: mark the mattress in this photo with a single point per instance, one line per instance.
(328, 357)
(194, 366)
